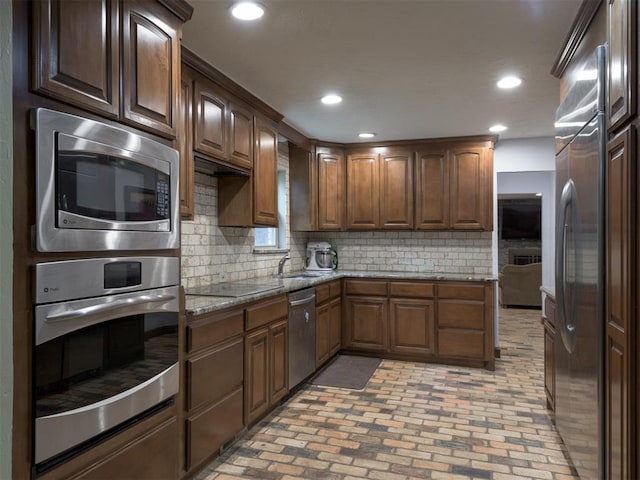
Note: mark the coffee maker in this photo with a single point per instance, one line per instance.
(320, 257)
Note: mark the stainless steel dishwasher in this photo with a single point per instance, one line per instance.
(302, 335)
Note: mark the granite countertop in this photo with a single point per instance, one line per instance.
(200, 304)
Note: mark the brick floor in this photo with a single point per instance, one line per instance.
(415, 421)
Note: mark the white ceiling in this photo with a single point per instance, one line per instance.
(406, 68)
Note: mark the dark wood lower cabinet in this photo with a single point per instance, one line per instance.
(210, 429)
(366, 327)
(440, 321)
(214, 381)
(278, 361)
(152, 455)
(328, 321)
(412, 325)
(266, 368)
(256, 374)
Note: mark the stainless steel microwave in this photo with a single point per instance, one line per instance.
(100, 187)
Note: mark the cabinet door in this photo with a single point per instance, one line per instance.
(432, 190)
(63, 67)
(185, 144)
(366, 327)
(621, 37)
(279, 361)
(150, 66)
(470, 190)
(620, 317)
(265, 175)
(412, 326)
(331, 173)
(210, 122)
(323, 329)
(396, 190)
(241, 136)
(256, 375)
(363, 192)
(335, 326)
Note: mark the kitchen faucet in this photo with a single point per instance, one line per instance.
(281, 263)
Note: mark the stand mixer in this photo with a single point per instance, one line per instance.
(320, 257)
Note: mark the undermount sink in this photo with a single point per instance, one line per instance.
(302, 275)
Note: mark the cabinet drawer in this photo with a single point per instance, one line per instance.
(209, 430)
(457, 314)
(323, 293)
(265, 312)
(152, 455)
(213, 375)
(328, 290)
(453, 342)
(414, 290)
(207, 330)
(366, 287)
(461, 292)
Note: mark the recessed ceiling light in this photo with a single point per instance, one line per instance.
(247, 11)
(509, 82)
(366, 135)
(498, 128)
(331, 99)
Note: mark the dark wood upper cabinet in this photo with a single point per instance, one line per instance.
(331, 190)
(185, 144)
(247, 201)
(363, 189)
(240, 136)
(396, 190)
(76, 64)
(150, 46)
(432, 189)
(87, 53)
(265, 174)
(621, 37)
(471, 188)
(210, 112)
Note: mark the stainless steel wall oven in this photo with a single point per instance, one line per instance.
(100, 187)
(105, 348)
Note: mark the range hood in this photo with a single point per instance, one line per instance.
(215, 169)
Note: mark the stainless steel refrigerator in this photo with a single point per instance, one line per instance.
(579, 271)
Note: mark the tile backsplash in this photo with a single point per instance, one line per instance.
(450, 252)
(212, 254)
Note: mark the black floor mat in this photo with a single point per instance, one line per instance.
(348, 372)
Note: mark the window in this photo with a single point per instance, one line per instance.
(276, 238)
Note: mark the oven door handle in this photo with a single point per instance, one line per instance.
(107, 307)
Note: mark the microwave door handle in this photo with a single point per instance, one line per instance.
(95, 310)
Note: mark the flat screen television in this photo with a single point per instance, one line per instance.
(521, 221)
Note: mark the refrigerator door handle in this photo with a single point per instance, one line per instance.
(567, 328)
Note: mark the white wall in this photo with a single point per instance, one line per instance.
(6, 240)
(525, 166)
(525, 155)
